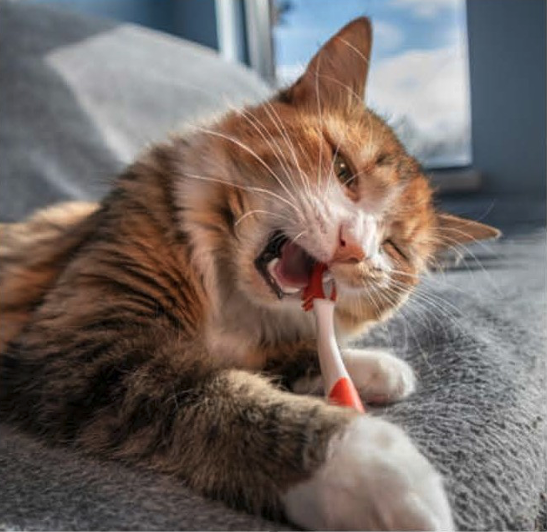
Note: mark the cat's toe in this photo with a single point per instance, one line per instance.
(380, 376)
(374, 478)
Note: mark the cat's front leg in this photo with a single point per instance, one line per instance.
(234, 436)
(379, 376)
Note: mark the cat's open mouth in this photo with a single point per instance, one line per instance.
(285, 266)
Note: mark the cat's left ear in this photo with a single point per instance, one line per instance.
(453, 230)
(337, 74)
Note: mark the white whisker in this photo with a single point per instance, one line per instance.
(252, 152)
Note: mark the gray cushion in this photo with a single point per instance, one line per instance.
(79, 97)
(475, 335)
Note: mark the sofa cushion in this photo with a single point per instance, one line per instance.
(79, 97)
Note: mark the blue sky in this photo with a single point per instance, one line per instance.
(311, 22)
(419, 77)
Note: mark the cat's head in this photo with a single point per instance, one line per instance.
(316, 176)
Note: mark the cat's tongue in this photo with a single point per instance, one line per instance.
(294, 266)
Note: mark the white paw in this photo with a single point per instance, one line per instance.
(379, 376)
(374, 478)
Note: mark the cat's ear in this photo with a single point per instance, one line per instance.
(453, 230)
(337, 74)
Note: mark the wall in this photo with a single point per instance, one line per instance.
(507, 54)
(190, 19)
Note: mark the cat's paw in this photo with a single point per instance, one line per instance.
(379, 376)
(373, 478)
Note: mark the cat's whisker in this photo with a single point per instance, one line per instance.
(350, 91)
(437, 239)
(400, 287)
(392, 299)
(422, 308)
(247, 188)
(258, 211)
(356, 50)
(352, 178)
(287, 172)
(276, 120)
(431, 296)
(436, 305)
(462, 250)
(260, 129)
(376, 291)
(423, 311)
(430, 278)
(377, 304)
(320, 115)
(443, 237)
(282, 132)
(299, 235)
(392, 296)
(250, 151)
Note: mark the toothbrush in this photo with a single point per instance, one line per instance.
(339, 387)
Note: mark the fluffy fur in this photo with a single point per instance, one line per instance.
(140, 329)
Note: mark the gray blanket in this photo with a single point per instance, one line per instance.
(474, 334)
(476, 338)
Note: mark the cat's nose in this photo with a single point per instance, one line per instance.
(348, 249)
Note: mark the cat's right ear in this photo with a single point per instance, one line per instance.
(453, 231)
(337, 74)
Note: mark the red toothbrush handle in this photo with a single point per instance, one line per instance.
(343, 393)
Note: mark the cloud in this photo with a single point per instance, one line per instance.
(425, 8)
(387, 36)
(426, 91)
(429, 86)
(286, 74)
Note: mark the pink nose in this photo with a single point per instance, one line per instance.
(348, 249)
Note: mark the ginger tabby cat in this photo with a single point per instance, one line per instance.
(163, 327)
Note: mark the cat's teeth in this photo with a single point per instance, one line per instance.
(290, 289)
(271, 266)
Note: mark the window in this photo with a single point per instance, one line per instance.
(419, 71)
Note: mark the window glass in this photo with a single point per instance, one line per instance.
(419, 71)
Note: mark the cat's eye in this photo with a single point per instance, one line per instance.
(383, 159)
(392, 248)
(342, 170)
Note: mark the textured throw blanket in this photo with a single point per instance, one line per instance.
(476, 338)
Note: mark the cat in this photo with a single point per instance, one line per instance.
(163, 326)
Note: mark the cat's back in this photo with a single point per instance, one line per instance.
(33, 254)
(67, 263)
